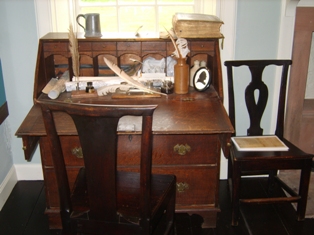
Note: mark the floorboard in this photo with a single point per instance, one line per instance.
(38, 222)
(17, 212)
(23, 214)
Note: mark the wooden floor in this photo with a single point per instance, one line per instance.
(23, 213)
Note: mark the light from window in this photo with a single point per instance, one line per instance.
(126, 15)
(130, 15)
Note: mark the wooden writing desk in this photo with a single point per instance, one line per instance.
(188, 130)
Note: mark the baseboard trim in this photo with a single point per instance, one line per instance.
(29, 171)
(7, 185)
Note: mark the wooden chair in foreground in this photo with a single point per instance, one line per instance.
(105, 200)
(254, 162)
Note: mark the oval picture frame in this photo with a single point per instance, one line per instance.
(202, 79)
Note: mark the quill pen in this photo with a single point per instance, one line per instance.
(127, 78)
(73, 46)
(181, 46)
(178, 54)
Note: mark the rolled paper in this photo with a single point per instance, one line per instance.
(59, 87)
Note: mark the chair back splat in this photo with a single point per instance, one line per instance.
(103, 199)
(256, 108)
(264, 161)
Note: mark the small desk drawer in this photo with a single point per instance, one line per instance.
(85, 46)
(56, 46)
(104, 46)
(153, 46)
(202, 46)
(129, 46)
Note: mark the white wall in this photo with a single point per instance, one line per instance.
(5, 147)
(18, 52)
(257, 37)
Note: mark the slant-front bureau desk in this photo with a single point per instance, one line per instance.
(189, 130)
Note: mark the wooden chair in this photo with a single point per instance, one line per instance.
(105, 200)
(248, 162)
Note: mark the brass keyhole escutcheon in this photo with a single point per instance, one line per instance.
(182, 149)
(77, 151)
(182, 187)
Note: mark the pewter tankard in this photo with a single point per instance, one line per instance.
(92, 25)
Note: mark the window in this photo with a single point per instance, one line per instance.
(126, 15)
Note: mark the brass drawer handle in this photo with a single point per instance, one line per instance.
(188, 99)
(182, 187)
(77, 151)
(182, 149)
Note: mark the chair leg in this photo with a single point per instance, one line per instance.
(236, 181)
(171, 218)
(171, 214)
(229, 170)
(304, 189)
(271, 182)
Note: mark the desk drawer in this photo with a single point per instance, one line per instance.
(167, 150)
(195, 185)
(51, 187)
(71, 149)
(172, 149)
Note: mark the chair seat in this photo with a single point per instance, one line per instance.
(128, 191)
(294, 153)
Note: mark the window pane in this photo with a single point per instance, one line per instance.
(97, 1)
(166, 13)
(108, 17)
(127, 15)
(175, 1)
(136, 1)
(140, 16)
